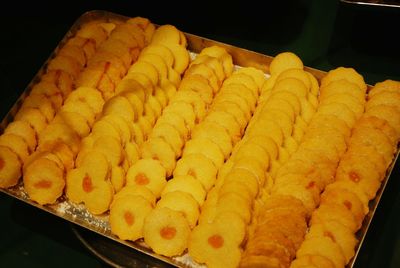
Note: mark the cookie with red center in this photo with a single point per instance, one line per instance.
(127, 214)
(210, 243)
(166, 231)
(149, 173)
(44, 181)
(10, 167)
(90, 183)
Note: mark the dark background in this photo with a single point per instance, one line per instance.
(325, 34)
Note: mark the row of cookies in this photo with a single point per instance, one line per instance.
(196, 171)
(244, 173)
(289, 96)
(344, 203)
(186, 109)
(114, 134)
(81, 109)
(45, 98)
(140, 97)
(288, 65)
(309, 169)
(230, 202)
(293, 93)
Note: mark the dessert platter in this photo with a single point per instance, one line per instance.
(198, 153)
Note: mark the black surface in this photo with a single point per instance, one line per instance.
(325, 34)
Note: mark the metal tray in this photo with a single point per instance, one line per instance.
(374, 3)
(78, 215)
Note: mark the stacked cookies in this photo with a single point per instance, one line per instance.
(44, 182)
(45, 99)
(344, 203)
(186, 109)
(113, 136)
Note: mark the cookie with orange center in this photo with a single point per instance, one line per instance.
(211, 243)
(44, 181)
(360, 171)
(89, 184)
(127, 214)
(10, 167)
(149, 173)
(338, 233)
(346, 198)
(166, 231)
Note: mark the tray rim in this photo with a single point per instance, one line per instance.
(371, 4)
(243, 57)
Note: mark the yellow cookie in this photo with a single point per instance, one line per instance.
(215, 133)
(25, 131)
(44, 181)
(222, 55)
(348, 74)
(149, 173)
(170, 135)
(10, 168)
(159, 149)
(198, 166)
(127, 216)
(213, 152)
(182, 202)
(284, 61)
(166, 231)
(187, 184)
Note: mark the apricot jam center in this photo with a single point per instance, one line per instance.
(141, 179)
(354, 176)
(347, 204)
(216, 241)
(43, 184)
(310, 185)
(129, 218)
(168, 232)
(87, 184)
